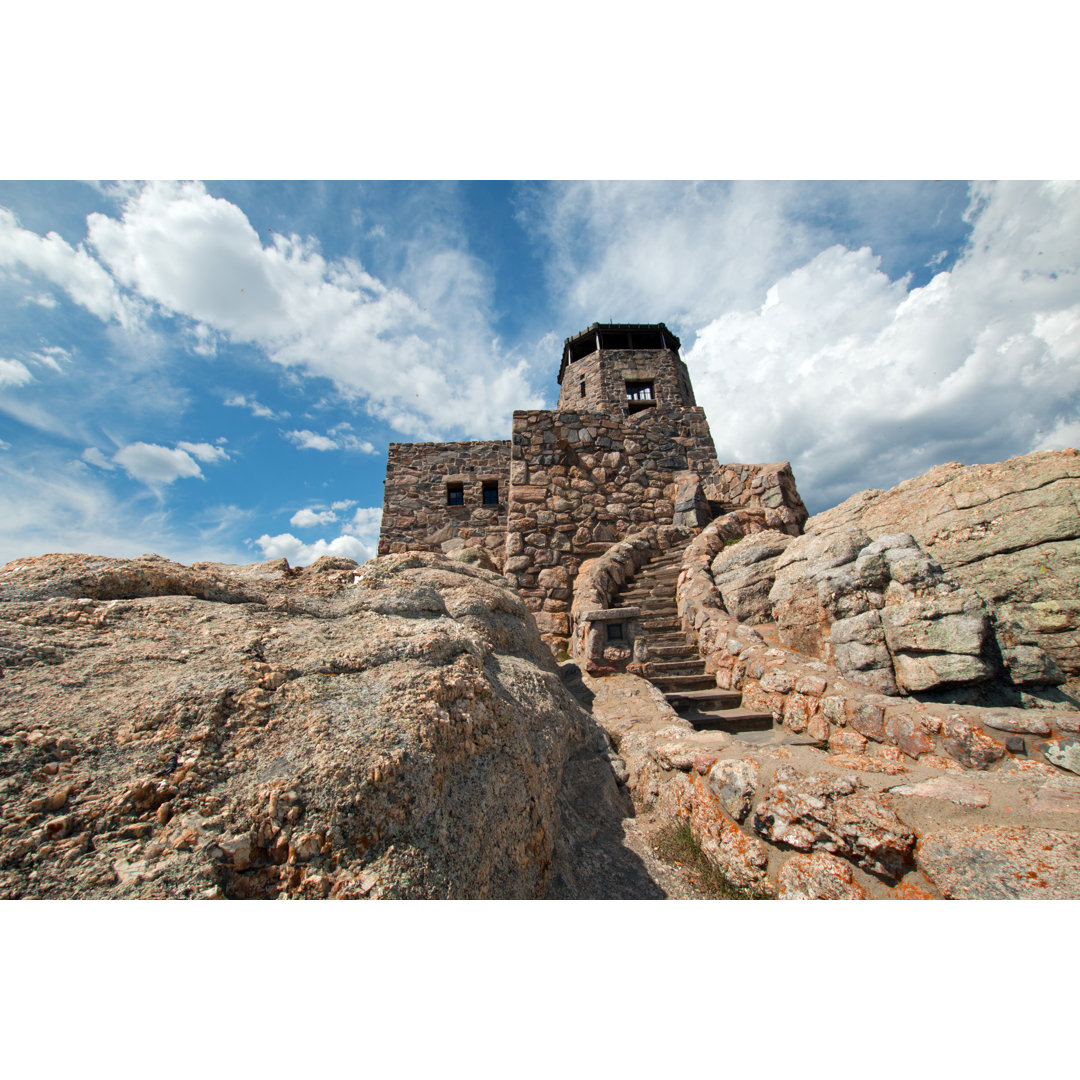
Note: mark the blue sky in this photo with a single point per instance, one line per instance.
(214, 370)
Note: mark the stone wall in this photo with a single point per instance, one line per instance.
(583, 481)
(416, 516)
(606, 374)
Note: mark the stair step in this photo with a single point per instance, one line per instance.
(668, 622)
(694, 665)
(672, 652)
(671, 684)
(729, 720)
(703, 699)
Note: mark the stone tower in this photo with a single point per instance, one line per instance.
(623, 368)
(626, 447)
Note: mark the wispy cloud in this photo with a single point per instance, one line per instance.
(14, 373)
(257, 408)
(338, 438)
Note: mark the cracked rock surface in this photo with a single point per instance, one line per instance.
(396, 729)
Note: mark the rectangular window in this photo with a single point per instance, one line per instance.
(455, 494)
(582, 387)
(639, 395)
(614, 631)
(491, 492)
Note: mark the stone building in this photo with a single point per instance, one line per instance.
(625, 447)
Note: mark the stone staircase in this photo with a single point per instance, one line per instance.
(671, 663)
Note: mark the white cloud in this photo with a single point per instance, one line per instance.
(45, 300)
(14, 373)
(366, 522)
(359, 540)
(48, 503)
(342, 504)
(156, 465)
(336, 439)
(205, 452)
(73, 269)
(300, 554)
(93, 456)
(308, 518)
(861, 382)
(51, 357)
(256, 407)
(309, 440)
(425, 359)
(673, 252)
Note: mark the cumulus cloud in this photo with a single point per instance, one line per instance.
(424, 360)
(309, 518)
(359, 540)
(300, 554)
(14, 373)
(156, 465)
(205, 452)
(861, 381)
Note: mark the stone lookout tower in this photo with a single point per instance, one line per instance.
(626, 447)
(623, 368)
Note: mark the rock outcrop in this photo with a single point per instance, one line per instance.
(396, 729)
(964, 577)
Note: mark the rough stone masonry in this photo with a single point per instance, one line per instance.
(626, 446)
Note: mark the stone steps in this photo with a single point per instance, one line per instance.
(691, 665)
(672, 664)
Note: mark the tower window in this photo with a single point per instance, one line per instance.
(455, 494)
(490, 491)
(582, 387)
(639, 395)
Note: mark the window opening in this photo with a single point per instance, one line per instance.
(490, 491)
(614, 631)
(455, 494)
(582, 387)
(639, 395)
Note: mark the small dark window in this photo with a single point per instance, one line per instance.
(614, 631)
(582, 387)
(491, 492)
(455, 494)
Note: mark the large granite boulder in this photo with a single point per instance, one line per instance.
(397, 729)
(1009, 532)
